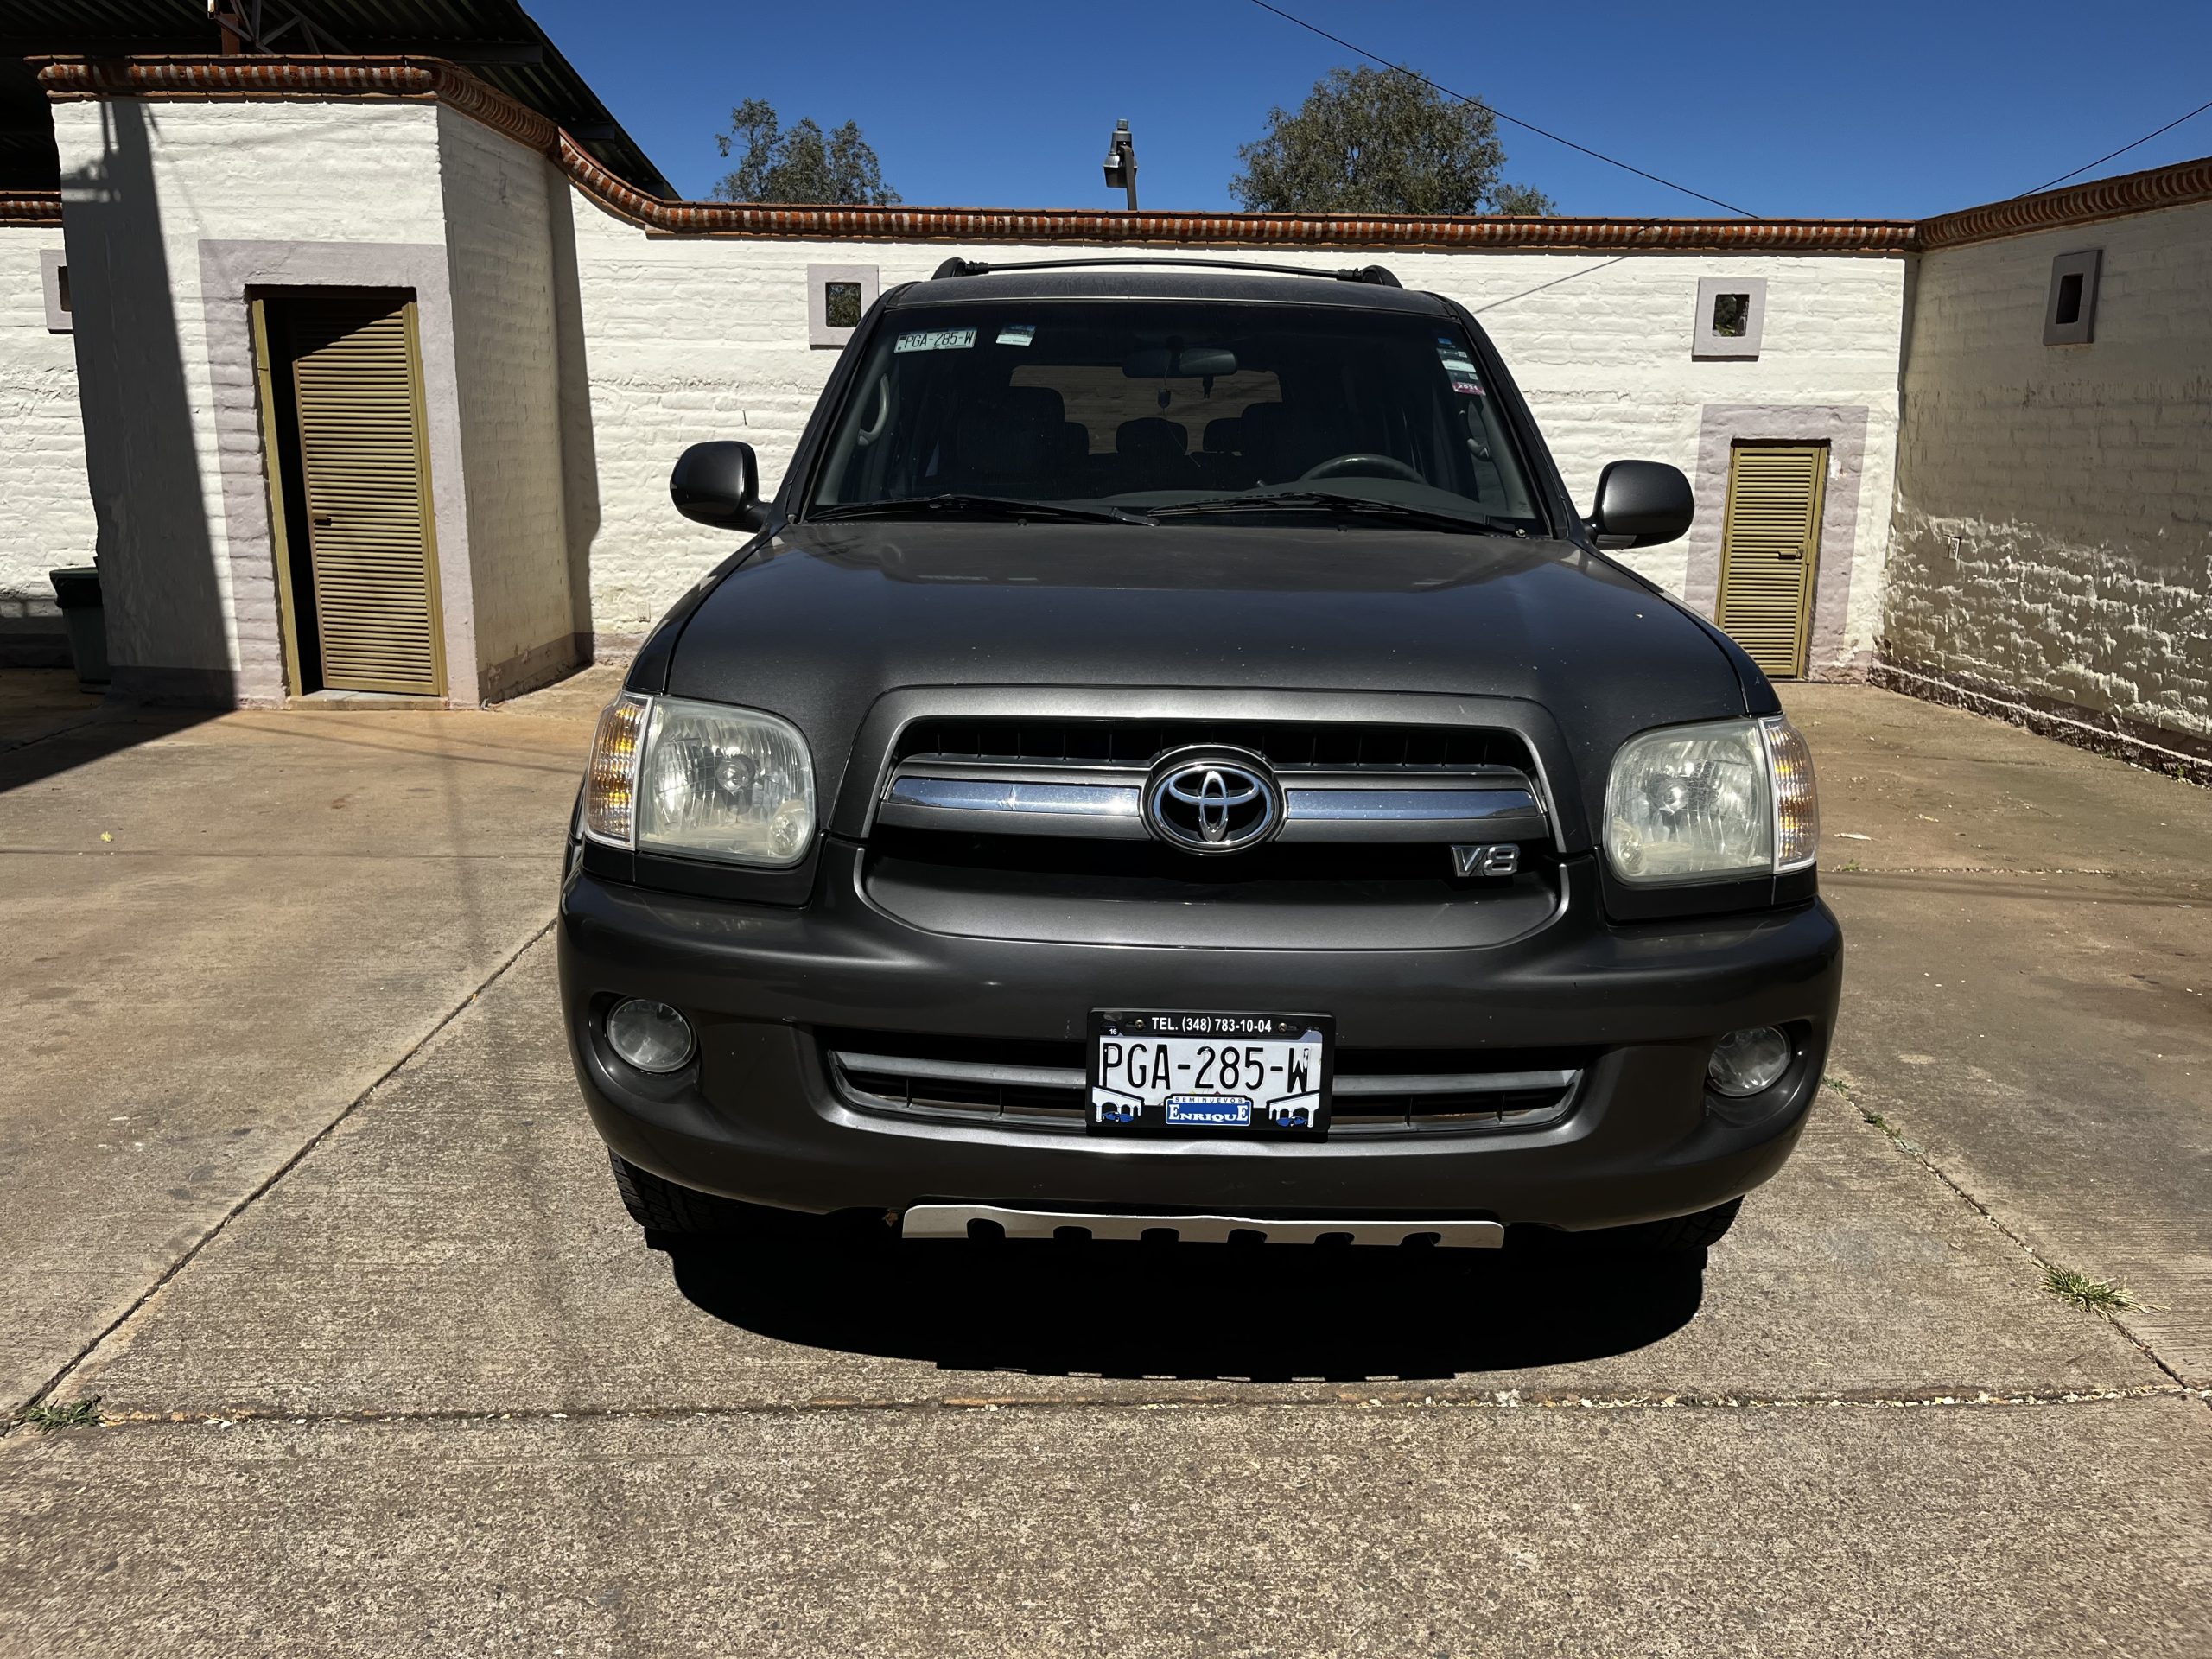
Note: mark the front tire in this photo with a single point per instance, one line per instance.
(665, 1210)
(1677, 1234)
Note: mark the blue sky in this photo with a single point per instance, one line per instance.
(1876, 109)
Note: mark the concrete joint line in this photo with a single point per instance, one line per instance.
(1974, 869)
(1919, 1155)
(93, 718)
(76, 1361)
(1506, 1400)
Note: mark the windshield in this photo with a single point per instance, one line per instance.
(1132, 407)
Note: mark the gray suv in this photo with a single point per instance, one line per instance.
(1172, 762)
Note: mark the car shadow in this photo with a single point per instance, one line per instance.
(1266, 1313)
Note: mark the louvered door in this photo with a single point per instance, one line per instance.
(364, 471)
(1770, 545)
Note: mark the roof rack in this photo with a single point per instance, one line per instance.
(1379, 275)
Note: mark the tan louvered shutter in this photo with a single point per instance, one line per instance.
(1769, 547)
(367, 473)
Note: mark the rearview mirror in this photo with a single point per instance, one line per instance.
(1641, 503)
(719, 484)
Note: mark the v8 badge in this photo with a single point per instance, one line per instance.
(1503, 858)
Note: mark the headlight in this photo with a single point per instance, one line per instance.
(1707, 802)
(700, 780)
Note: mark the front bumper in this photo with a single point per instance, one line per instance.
(757, 1117)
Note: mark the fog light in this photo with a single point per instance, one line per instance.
(649, 1035)
(1748, 1062)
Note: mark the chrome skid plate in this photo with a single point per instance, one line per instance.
(991, 1221)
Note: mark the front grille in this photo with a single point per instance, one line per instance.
(1285, 744)
(1041, 1085)
(1333, 781)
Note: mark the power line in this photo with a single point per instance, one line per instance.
(1555, 282)
(2109, 154)
(1611, 161)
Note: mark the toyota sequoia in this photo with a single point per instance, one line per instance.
(1171, 761)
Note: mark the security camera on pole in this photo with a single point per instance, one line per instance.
(1122, 162)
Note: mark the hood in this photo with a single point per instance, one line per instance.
(823, 620)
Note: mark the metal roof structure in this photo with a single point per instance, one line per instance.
(494, 40)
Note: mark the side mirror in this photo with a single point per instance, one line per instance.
(1641, 503)
(719, 484)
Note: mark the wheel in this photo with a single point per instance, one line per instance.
(1692, 1232)
(663, 1207)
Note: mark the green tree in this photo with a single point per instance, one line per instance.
(1379, 140)
(800, 164)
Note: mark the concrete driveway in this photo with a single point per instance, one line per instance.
(296, 1185)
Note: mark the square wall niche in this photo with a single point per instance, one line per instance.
(837, 297)
(54, 278)
(2069, 314)
(1731, 316)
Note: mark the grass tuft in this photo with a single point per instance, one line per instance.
(1836, 1083)
(2079, 1290)
(77, 1413)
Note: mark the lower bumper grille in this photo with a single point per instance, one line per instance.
(1041, 1085)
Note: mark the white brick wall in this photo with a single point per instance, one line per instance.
(49, 510)
(695, 338)
(144, 185)
(2053, 531)
(570, 357)
(507, 352)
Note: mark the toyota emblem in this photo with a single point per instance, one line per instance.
(1213, 801)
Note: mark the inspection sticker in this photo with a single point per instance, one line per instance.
(1019, 334)
(937, 340)
(1466, 388)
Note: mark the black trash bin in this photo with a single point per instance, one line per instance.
(77, 590)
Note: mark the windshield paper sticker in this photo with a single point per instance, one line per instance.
(1453, 356)
(1019, 333)
(937, 340)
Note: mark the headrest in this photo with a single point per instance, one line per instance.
(1151, 436)
(1262, 418)
(1041, 404)
(1000, 438)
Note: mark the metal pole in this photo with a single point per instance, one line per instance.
(1122, 162)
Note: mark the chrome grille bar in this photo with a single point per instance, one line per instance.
(1073, 1077)
(1035, 1076)
(1012, 806)
(1411, 815)
(1463, 1082)
(1106, 802)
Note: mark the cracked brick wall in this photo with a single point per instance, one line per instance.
(2052, 545)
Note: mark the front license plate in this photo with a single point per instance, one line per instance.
(1264, 1074)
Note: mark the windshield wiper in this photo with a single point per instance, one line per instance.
(977, 506)
(1334, 501)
